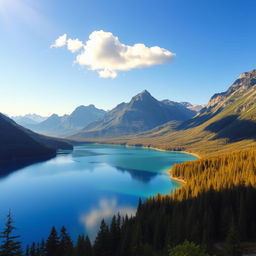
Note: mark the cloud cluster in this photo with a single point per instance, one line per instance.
(104, 53)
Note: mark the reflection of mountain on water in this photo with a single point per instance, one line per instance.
(84, 153)
(144, 176)
(8, 167)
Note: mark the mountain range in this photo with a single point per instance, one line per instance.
(142, 113)
(28, 119)
(227, 122)
(62, 125)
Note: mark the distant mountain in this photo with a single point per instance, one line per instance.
(226, 123)
(196, 108)
(28, 119)
(20, 143)
(142, 113)
(62, 125)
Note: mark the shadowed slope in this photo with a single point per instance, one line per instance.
(19, 143)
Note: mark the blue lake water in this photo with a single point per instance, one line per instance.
(79, 189)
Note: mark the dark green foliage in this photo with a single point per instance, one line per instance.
(52, 243)
(187, 248)
(102, 246)
(83, 246)
(65, 245)
(232, 244)
(9, 246)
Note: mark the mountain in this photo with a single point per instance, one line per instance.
(142, 113)
(61, 125)
(29, 119)
(196, 108)
(20, 143)
(226, 123)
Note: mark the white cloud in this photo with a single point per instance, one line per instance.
(104, 53)
(74, 44)
(106, 73)
(60, 41)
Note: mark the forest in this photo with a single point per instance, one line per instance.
(215, 206)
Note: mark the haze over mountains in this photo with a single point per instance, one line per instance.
(28, 119)
(62, 125)
(142, 113)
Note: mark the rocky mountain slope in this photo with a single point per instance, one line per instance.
(227, 122)
(142, 113)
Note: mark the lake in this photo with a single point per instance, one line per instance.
(80, 188)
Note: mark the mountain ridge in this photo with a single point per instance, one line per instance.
(226, 123)
(142, 112)
(56, 125)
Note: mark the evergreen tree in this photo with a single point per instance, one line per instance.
(232, 244)
(83, 247)
(42, 249)
(52, 243)
(9, 246)
(65, 245)
(102, 245)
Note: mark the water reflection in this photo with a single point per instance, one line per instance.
(140, 175)
(106, 209)
(79, 189)
(8, 167)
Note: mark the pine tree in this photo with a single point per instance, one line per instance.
(10, 246)
(52, 243)
(232, 245)
(101, 245)
(65, 245)
(83, 247)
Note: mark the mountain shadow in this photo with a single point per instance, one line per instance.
(233, 129)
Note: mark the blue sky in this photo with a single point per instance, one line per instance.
(213, 41)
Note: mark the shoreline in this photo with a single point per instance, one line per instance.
(182, 181)
(141, 146)
(166, 150)
(179, 180)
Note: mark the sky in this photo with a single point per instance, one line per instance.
(182, 50)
